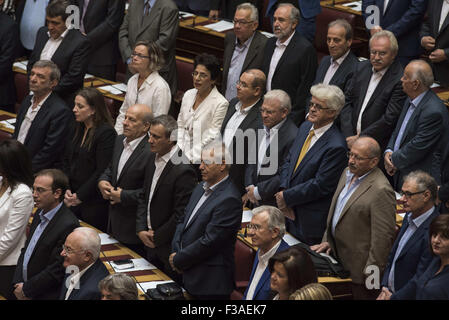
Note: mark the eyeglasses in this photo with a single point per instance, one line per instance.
(356, 157)
(242, 84)
(141, 56)
(408, 194)
(268, 112)
(200, 74)
(253, 226)
(317, 106)
(40, 190)
(242, 22)
(380, 53)
(69, 250)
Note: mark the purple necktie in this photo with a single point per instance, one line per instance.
(86, 3)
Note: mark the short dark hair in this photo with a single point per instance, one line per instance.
(345, 25)
(210, 62)
(299, 266)
(439, 225)
(169, 123)
(15, 163)
(57, 8)
(60, 180)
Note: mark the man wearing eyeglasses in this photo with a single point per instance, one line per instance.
(39, 273)
(374, 97)
(410, 254)
(362, 217)
(310, 173)
(243, 48)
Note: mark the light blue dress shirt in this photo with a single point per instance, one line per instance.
(45, 220)
(33, 18)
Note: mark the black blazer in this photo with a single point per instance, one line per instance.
(170, 197)
(102, 21)
(268, 184)
(253, 59)
(430, 28)
(9, 40)
(294, 73)
(45, 270)
(252, 121)
(122, 216)
(205, 247)
(342, 75)
(88, 285)
(48, 132)
(84, 166)
(384, 107)
(72, 57)
(443, 192)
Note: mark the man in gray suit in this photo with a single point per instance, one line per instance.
(152, 20)
(243, 48)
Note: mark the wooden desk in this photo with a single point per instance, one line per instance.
(4, 115)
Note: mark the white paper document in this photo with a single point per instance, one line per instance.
(290, 239)
(120, 86)
(139, 264)
(6, 124)
(246, 216)
(87, 76)
(106, 239)
(183, 14)
(21, 65)
(152, 284)
(110, 89)
(267, 34)
(356, 5)
(220, 26)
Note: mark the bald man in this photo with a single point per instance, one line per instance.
(361, 221)
(422, 131)
(122, 181)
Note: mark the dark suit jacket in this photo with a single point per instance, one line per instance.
(430, 28)
(263, 290)
(383, 109)
(268, 184)
(252, 121)
(403, 18)
(88, 285)
(101, 23)
(294, 73)
(9, 40)
(424, 139)
(48, 132)
(45, 270)
(253, 59)
(160, 26)
(71, 57)
(122, 216)
(309, 190)
(443, 192)
(414, 257)
(205, 248)
(170, 197)
(342, 75)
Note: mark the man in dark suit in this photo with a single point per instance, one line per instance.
(290, 61)
(410, 255)
(203, 244)
(271, 150)
(266, 230)
(313, 166)
(122, 183)
(421, 134)
(241, 122)
(243, 48)
(169, 181)
(403, 19)
(374, 98)
(44, 119)
(152, 20)
(39, 273)
(435, 39)
(9, 40)
(67, 48)
(100, 21)
(84, 269)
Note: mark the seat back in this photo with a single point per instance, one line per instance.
(21, 83)
(4, 135)
(244, 258)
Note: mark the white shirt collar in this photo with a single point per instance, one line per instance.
(321, 130)
(62, 36)
(340, 60)
(238, 106)
(133, 144)
(286, 42)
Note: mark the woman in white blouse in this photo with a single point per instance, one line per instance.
(16, 205)
(146, 86)
(203, 108)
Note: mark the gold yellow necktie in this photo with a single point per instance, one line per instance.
(304, 149)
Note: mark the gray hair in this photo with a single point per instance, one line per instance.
(386, 34)
(90, 241)
(344, 24)
(276, 218)
(281, 96)
(121, 285)
(423, 73)
(294, 13)
(249, 6)
(221, 153)
(169, 123)
(424, 181)
(332, 95)
(55, 73)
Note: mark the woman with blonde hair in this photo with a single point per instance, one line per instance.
(312, 291)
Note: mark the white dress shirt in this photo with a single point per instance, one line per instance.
(74, 281)
(128, 149)
(444, 12)
(318, 133)
(235, 121)
(277, 55)
(154, 92)
(335, 64)
(29, 118)
(52, 45)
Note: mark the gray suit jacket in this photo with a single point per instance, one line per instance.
(160, 26)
